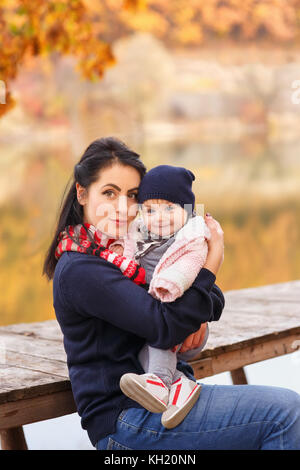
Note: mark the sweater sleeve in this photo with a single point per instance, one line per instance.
(218, 301)
(96, 288)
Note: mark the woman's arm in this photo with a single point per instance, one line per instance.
(218, 300)
(195, 340)
(96, 288)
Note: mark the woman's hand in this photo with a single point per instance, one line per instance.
(215, 256)
(194, 340)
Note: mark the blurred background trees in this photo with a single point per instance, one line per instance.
(205, 85)
(87, 29)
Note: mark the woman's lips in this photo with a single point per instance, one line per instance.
(119, 222)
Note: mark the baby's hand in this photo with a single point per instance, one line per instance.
(117, 249)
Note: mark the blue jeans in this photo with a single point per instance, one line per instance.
(228, 417)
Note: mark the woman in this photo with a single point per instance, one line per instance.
(106, 316)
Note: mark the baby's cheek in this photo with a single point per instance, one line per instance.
(176, 225)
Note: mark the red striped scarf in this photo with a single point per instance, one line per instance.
(85, 238)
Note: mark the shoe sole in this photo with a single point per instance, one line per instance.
(134, 390)
(178, 416)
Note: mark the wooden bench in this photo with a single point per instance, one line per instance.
(257, 324)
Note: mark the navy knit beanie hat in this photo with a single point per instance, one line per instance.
(172, 183)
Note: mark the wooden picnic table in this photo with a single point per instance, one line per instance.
(257, 324)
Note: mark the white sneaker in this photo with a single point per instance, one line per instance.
(183, 395)
(146, 389)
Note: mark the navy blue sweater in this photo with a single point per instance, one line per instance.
(106, 319)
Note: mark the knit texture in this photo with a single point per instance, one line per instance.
(182, 261)
(106, 319)
(171, 183)
(85, 238)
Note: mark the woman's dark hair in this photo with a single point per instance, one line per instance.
(102, 153)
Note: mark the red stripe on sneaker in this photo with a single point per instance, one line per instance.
(196, 386)
(155, 383)
(160, 400)
(176, 381)
(176, 395)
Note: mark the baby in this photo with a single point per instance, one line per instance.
(169, 241)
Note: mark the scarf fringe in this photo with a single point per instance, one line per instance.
(84, 238)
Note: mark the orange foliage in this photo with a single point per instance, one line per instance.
(36, 27)
(87, 29)
(192, 22)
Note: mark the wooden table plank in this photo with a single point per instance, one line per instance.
(241, 355)
(248, 322)
(257, 323)
(31, 410)
(44, 348)
(286, 291)
(35, 363)
(48, 330)
(19, 383)
(253, 313)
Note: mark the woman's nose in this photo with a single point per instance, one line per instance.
(122, 206)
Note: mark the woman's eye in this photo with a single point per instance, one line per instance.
(132, 195)
(109, 193)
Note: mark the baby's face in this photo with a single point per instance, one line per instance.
(163, 217)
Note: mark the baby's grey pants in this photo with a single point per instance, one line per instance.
(163, 362)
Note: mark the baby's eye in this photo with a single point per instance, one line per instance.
(169, 208)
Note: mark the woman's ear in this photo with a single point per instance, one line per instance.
(81, 194)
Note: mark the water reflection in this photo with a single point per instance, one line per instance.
(249, 185)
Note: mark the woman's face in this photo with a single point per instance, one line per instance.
(110, 203)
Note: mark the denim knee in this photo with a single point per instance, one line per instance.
(294, 403)
(288, 412)
(288, 415)
(291, 400)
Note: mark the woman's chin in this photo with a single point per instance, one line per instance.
(113, 231)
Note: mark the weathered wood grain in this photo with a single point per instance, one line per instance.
(254, 313)
(257, 324)
(238, 376)
(37, 364)
(13, 439)
(227, 360)
(48, 329)
(283, 291)
(32, 410)
(19, 383)
(44, 348)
